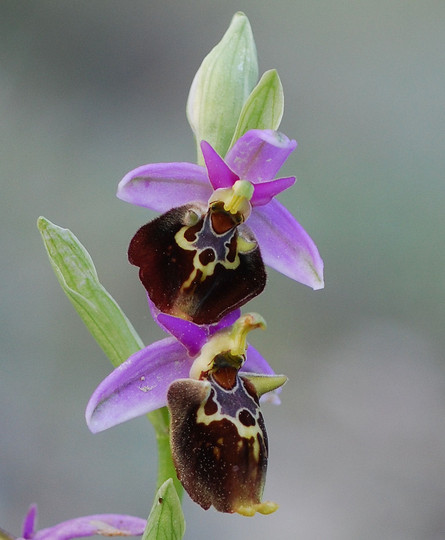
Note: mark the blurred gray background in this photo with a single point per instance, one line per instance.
(91, 89)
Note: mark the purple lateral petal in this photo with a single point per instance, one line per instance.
(100, 524)
(220, 175)
(137, 386)
(227, 320)
(163, 186)
(191, 335)
(259, 154)
(30, 522)
(285, 245)
(256, 363)
(265, 191)
(155, 313)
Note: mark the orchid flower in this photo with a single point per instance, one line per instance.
(99, 524)
(140, 384)
(199, 260)
(211, 380)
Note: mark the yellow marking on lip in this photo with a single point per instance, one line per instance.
(207, 270)
(245, 432)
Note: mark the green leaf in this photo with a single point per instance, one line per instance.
(166, 520)
(264, 107)
(221, 85)
(77, 275)
(103, 317)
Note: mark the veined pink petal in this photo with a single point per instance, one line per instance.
(137, 386)
(219, 173)
(259, 154)
(100, 524)
(285, 245)
(163, 186)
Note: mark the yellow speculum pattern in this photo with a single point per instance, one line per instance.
(205, 269)
(245, 432)
(235, 202)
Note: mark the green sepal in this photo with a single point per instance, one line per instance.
(166, 520)
(221, 86)
(265, 383)
(78, 278)
(264, 107)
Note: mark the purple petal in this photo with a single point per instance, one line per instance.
(163, 186)
(255, 363)
(265, 191)
(30, 522)
(137, 386)
(259, 154)
(285, 245)
(227, 320)
(219, 173)
(155, 312)
(191, 335)
(101, 524)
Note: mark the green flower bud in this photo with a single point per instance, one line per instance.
(221, 86)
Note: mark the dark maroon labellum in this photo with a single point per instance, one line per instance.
(219, 441)
(198, 264)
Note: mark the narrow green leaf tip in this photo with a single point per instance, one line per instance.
(221, 85)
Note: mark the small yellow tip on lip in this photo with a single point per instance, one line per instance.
(265, 508)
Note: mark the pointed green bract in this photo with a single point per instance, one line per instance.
(166, 520)
(264, 107)
(78, 278)
(221, 86)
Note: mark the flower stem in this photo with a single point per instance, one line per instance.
(160, 420)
